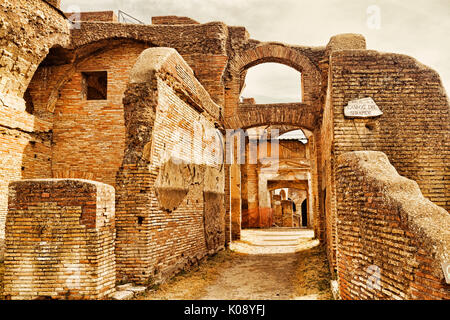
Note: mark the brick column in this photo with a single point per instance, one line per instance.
(287, 217)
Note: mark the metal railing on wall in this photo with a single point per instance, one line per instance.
(124, 17)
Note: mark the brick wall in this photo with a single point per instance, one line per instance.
(173, 20)
(55, 3)
(388, 231)
(414, 130)
(170, 201)
(89, 135)
(287, 213)
(327, 192)
(59, 240)
(203, 46)
(21, 52)
(24, 138)
(104, 16)
(253, 214)
(277, 212)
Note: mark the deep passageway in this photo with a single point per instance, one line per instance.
(279, 263)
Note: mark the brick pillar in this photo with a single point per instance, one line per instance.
(60, 240)
(227, 206)
(287, 213)
(235, 204)
(277, 213)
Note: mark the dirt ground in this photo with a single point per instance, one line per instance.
(192, 285)
(275, 264)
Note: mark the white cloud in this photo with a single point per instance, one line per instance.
(272, 82)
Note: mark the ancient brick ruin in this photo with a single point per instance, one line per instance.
(127, 155)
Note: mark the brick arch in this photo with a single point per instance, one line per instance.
(82, 54)
(278, 53)
(298, 115)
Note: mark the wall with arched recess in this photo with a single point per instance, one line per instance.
(29, 28)
(88, 135)
(270, 52)
(202, 46)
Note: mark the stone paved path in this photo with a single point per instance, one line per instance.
(274, 264)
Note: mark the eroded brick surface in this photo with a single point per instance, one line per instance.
(170, 209)
(160, 110)
(387, 246)
(59, 240)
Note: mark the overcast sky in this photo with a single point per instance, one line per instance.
(419, 28)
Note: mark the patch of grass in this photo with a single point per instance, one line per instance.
(191, 284)
(313, 274)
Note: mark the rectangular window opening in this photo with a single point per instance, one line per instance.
(94, 85)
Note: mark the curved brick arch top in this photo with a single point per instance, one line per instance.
(284, 55)
(300, 115)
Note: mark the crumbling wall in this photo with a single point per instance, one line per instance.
(105, 16)
(277, 211)
(173, 20)
(42, 27)
(327, 192)
(391, 240)
(413, 131)
(170, 187)
(28, 29)
(59, 240)
(55, 3)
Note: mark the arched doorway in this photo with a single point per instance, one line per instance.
(241, 115)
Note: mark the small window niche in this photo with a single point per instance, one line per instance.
(29, 106)
(94, 85)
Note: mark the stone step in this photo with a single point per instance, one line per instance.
(122, 295)
(127, 291)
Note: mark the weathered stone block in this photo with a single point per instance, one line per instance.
(60, 240)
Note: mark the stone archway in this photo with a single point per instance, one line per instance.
(270, 52)
(296, 114)
(241, 117)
